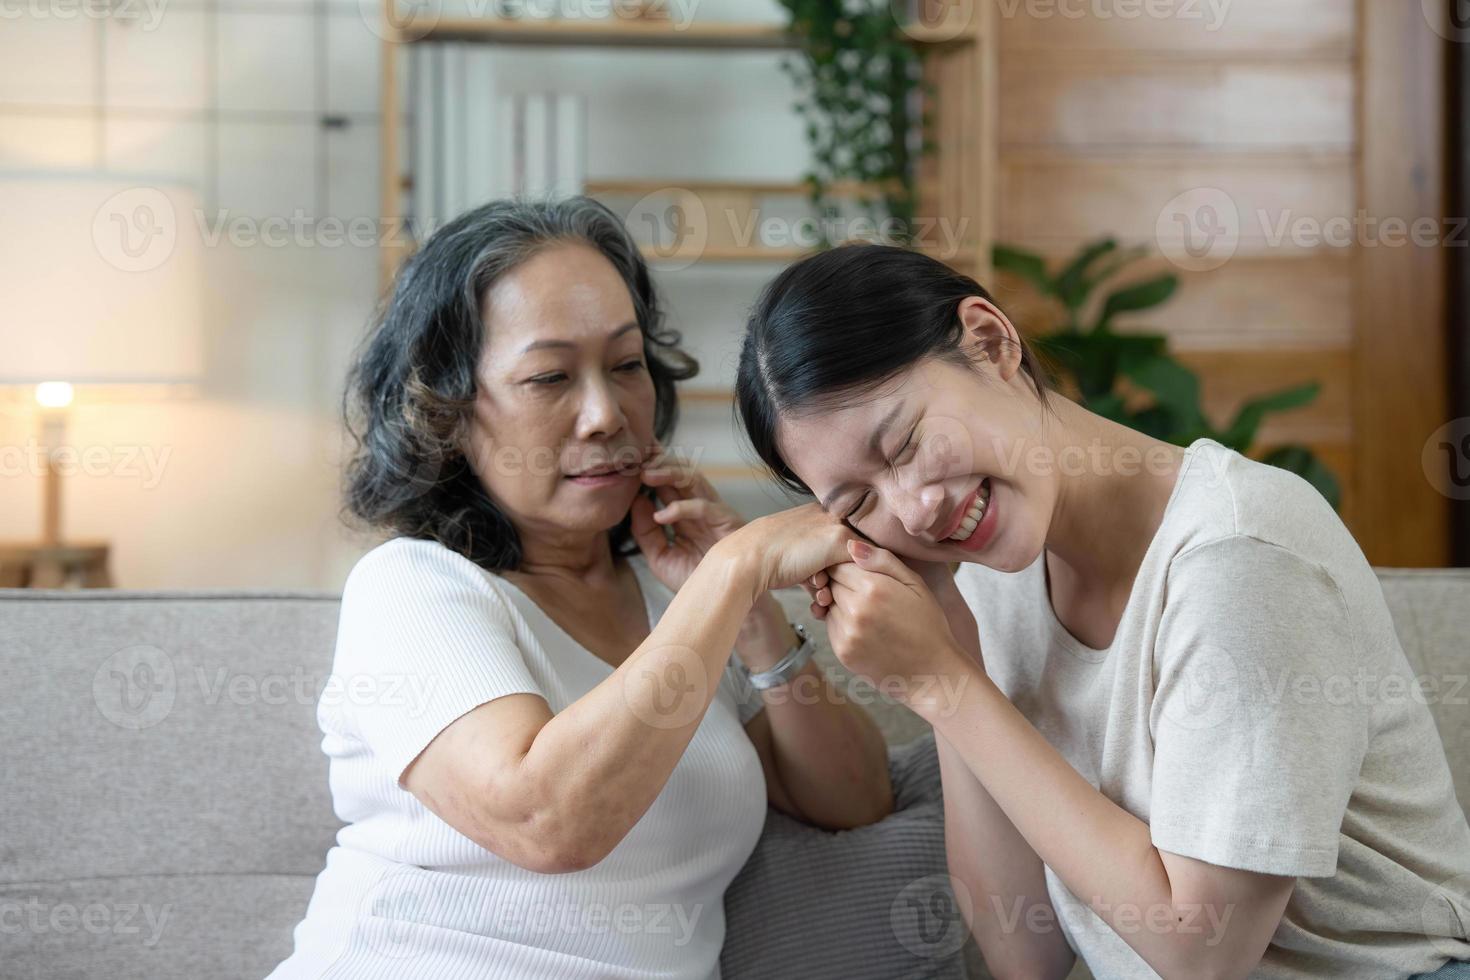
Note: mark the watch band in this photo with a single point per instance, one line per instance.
(788, 666)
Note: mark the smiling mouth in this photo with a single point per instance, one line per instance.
(974, 512)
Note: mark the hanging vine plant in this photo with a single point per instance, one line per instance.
(858, 79)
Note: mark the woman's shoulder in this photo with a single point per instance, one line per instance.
(404, 565)
(1227, 504)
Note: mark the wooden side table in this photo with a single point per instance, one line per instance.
(80, 564)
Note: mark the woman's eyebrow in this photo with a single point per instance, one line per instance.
(541, 344)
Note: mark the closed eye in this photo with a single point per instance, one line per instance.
(910, 446)
(547, 379)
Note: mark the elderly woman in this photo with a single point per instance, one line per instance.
(548, 764)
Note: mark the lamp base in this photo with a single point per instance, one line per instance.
(55, 566)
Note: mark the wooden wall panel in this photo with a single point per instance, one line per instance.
(1105, 119)
(1193, 28)
(1052, 203)
(1168, 105)
(1400, 369)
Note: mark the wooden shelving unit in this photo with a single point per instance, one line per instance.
(956, 183)
(612, 32)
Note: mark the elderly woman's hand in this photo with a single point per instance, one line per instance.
(690, 505)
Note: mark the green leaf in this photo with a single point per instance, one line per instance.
(1109, 406)
(1143, 296)
(1160, 423)
(1242, 431)
(1173, 386)
(1135, 348)
(1072, 285)
(1305, 464)
(1028, 265)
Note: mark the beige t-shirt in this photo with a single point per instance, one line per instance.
(1255, 709)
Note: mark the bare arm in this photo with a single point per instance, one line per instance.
(825, 760)
(1014, 922)
(556, 793)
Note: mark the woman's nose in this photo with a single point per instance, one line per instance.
(918, 507)
(599, 413)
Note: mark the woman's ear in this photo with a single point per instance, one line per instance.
(990, 335)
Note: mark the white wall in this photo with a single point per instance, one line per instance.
(228, 96)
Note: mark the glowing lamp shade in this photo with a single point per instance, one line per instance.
(102, 283)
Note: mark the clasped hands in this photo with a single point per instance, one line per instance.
(886, 625)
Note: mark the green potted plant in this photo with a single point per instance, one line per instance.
(1101, 364)
(855, 74)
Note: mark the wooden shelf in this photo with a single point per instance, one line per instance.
(755, 255)
(756, 188)
(957, 181)
(707, 396)
(1053, 59)
(625, 32)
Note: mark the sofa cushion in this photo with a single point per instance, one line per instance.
(165, 927)
(897, 917)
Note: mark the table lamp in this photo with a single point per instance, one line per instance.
(102, 285)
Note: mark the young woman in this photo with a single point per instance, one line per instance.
(548, 766)
(1187, 742)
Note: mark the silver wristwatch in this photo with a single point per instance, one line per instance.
(787, 667)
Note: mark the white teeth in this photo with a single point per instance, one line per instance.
(972, 517)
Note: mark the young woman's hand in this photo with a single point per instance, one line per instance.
(690, 505)
(937, 576)
(885, 625)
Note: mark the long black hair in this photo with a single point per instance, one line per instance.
(411, 391)
(835, 326)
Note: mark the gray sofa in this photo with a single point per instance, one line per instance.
(165, 807)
